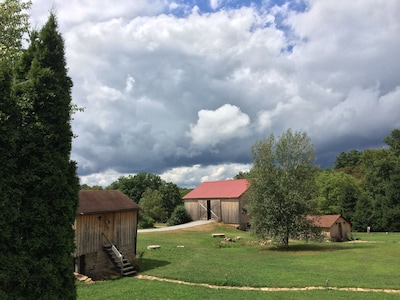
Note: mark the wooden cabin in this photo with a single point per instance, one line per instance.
(334, 227)
(223, 200)
(104, 217)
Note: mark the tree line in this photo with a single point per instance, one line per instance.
(365, 186)
(160, 201)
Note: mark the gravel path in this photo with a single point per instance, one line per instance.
(181, 226)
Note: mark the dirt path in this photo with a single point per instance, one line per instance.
(268, 289)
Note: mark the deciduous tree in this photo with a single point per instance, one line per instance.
(337, 193)
(282, 187)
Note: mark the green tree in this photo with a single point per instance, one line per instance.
(14, 24)
(151, 204)
(11, 270)
(394, 141)
(282, 185)
(337, 193)
(88, 187)
(363, 213)
(47, 177)
(184, 191)
(171, 196)
(242, 175)
(179, 216)
(349, 163)
(135, 186)
(380, 183)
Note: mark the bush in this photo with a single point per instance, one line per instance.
(146, 222)
(179, 216)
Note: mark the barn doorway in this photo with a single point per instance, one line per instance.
(208, 209)
(79, 264)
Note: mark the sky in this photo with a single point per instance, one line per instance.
(184, 88)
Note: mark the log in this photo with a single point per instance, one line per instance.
(218, 235)
(153, 247)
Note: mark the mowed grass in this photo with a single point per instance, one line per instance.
(193, 255)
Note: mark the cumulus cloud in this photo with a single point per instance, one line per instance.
(182, 88)
(214, 127)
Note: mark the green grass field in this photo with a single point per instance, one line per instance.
(370, 262)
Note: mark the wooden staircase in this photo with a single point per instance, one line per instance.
(120, 262)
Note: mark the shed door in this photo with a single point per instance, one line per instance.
(210, 210)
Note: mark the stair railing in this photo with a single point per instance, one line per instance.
(116, 253)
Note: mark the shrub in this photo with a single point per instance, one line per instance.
(146, 222)
(179, 216)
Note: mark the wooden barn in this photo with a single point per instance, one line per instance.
(219, 200)
(105, 233)
(334, 227)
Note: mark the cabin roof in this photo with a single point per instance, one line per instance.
(104, 201)
(325, 221)
(219, 189)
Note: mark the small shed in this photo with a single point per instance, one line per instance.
(334, 227)
(104, 218)
(222, 200)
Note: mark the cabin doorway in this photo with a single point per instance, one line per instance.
(340, 231)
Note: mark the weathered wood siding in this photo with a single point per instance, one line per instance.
(192, 207)
(230, 211)
(88, 237)
(125, 228)
(119, 228)
(334, 231)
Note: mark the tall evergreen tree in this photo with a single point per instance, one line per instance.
(10, 197)
(13, 25)
(48, 178)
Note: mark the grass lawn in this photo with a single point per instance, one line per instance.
(371, 262)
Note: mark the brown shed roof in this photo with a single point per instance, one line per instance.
(325, 221)
(101, 201)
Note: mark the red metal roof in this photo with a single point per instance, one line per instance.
(325, 221)
(103, 201)
(219, 189)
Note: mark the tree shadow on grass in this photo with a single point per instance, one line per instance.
(149, 264)
(319, 247)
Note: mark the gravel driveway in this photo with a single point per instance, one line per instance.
(181, 226)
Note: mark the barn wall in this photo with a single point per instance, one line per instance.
(120, 228)
(192, 207)
(88, 235)
(125, 228)
(230, 211)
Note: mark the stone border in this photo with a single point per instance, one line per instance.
(269, 289)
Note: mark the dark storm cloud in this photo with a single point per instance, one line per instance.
(184, 91)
